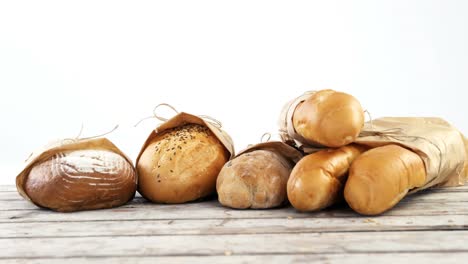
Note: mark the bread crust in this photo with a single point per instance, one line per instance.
(81, 180)
(329, 118)
(181, 165)
(317, 180)
(381, 177)
(256, 179)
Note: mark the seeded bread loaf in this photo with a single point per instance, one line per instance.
(181, 164)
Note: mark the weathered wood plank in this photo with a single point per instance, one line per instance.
(214, 211)
(433, 195)
(16, 202)
(381, 258)
(319, 243)
(231, 226)
(144, 232)
(12, 188)
(7, 188)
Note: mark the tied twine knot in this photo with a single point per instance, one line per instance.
(216, 123)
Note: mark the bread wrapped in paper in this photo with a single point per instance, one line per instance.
(72, 175)
(257, 177)
(318, 119)
(441, 146)
(181, 159)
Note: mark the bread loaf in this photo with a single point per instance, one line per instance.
(81, 180)
(329, 118)
(180, 164)
(255, 179)
(381, 177)
(317, 180)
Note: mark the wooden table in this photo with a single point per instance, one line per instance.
(429, 227)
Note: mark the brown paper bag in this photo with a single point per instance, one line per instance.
(291, 154)
(184, 118)
(53, 148)
(441, 146)
(286, 128)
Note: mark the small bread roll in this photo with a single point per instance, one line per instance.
(381, 177)
(81, 180)
(255, 179)
(329, 118)
(317, 180)
(181, 165)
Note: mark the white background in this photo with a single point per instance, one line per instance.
(104, 63)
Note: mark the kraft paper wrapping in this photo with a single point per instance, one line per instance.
(184, 118)
(442, 147)
(64, 145)
(286, 127)
(281, 148)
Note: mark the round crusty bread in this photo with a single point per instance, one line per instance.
(318, 179)
(81, 180)
(381, 177)
(255, 179)
(329, 118)
(180, 165)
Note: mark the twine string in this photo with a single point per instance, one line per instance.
(156, 115)
(77, 138)
(100, 135)
(265, 137)
(212, 121)
(161, 118)
(216, 123)
(81, 131)
(370, 118)
(143, 119)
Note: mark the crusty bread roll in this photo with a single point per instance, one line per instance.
(329, 118)
(317, 180)
(255, 179)
(180, 165)
(381, 177)
(81, 180)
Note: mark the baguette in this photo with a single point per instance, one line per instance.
(317, 180)
(381, 177)
(329, 118)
